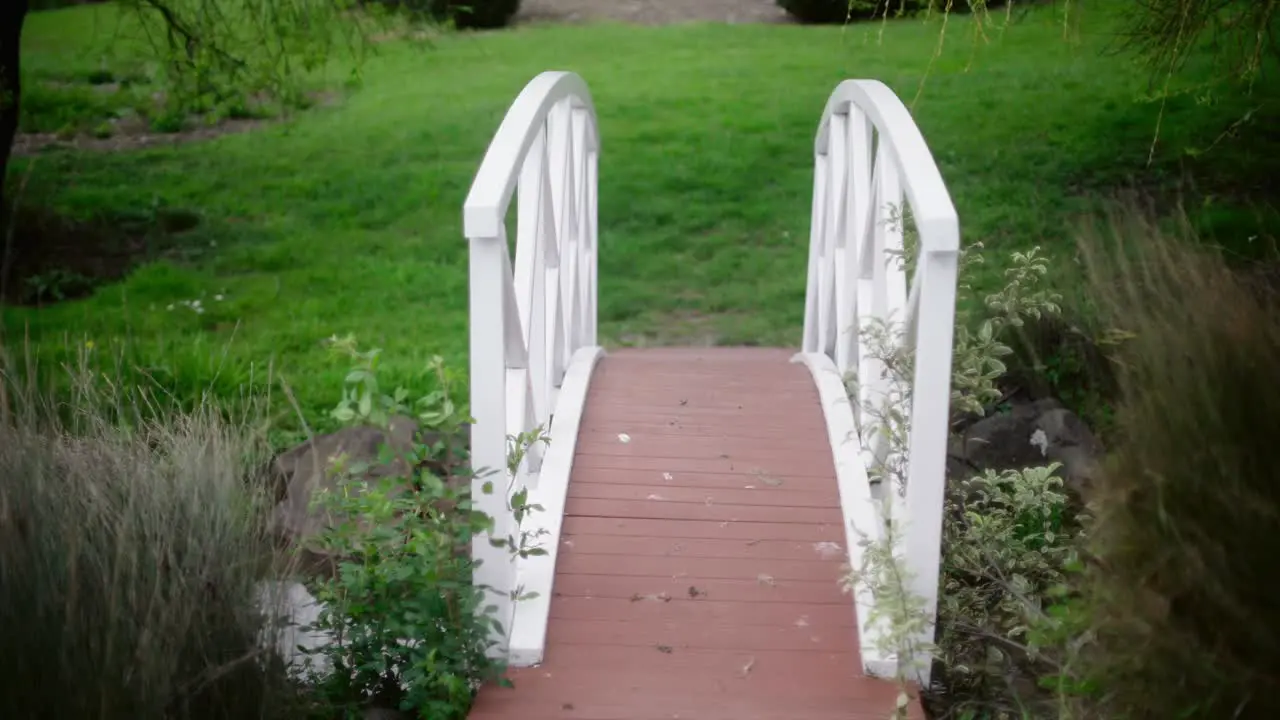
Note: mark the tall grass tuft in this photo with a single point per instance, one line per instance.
(1187, 530)
(132, 541)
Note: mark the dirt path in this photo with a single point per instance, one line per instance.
(652, 12)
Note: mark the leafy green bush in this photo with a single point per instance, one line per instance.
(1178, 592)
(840, 11)
(477, 14)
(411, 630)
(130, 556)
(1009, 539)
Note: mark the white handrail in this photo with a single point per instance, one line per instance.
(868, 153)
(527, 324)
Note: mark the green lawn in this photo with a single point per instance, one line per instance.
(348, 220)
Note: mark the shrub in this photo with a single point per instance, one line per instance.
(840, 11)
(478, 14)
(129, 560)
(1188, 517)
(1007, 547)
(411, 630)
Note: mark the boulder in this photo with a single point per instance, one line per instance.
(1031, 433)
(302, 471)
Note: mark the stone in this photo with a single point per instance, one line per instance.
(301, 472)
(1030, 434)
(382, 713)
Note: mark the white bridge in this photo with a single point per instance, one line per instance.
(698, 504)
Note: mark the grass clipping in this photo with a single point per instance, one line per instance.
(130, 556)
(1187, 532)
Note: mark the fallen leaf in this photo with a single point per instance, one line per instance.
(664, 649)
(827, 549)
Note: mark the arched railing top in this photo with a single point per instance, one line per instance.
(495, 182)
(935, 215)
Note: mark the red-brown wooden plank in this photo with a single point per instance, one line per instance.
(699, 611)
(750, 493)
(700, 560)
(801, 466)
(646, 528)
(592, 544)
(657, 510)
(694, 587)
(677, 566)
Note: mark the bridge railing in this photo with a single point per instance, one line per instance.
(868, 155)
(528, 321)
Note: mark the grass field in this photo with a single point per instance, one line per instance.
(348, 218)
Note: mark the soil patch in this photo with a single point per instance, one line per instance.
(652, 12)
(32, 143)
(46, 258)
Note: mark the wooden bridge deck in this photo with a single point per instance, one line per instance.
(701, 551)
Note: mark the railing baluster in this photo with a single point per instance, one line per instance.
(859, 198)
(560, 127)
(530, 266)
(826, 278)
(817, 227)
(568, 249)
(591, 248)
(837, 227)
(488, 270)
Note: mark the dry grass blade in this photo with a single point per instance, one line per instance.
(1188, 518)
(130, 555)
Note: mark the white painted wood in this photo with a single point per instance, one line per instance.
(861, 518)
(526, 326)
(869, 157)
(537, 574)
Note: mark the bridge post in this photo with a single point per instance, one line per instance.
(494, 569)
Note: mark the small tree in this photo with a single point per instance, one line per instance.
(211, 52)
(1242, 32)
(13, 14)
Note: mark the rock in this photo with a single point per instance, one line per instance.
(1030, 434)
(381, 713)
(302, 471)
